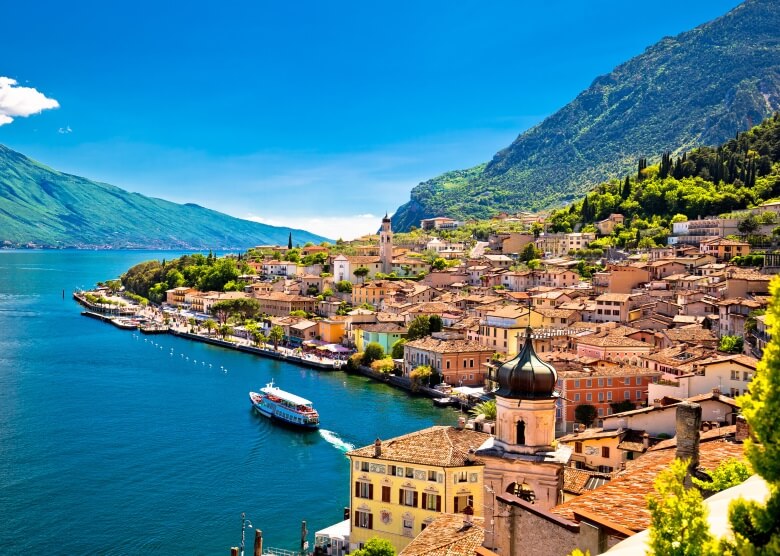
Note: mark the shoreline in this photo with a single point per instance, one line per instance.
(282, 354)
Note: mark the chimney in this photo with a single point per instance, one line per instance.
(743, 429)
(657, 402)
(645, 441)
(461, 423)
(377, 448)
(688, 425)
(716, 391)
(470, 456)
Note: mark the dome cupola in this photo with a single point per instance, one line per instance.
(526, 376)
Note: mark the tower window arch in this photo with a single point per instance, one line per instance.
(520, 430)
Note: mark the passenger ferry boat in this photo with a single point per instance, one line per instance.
(288, 408)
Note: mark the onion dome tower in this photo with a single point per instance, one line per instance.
(525, 402)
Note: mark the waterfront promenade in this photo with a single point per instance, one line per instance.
(158, 320)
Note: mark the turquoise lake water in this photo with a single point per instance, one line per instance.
(113, 442)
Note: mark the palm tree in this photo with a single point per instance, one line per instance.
(225, 330)
(209, 325)
(193, 322)
(486, 408)
(276, 335)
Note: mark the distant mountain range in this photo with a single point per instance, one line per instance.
(699, 88)
(47, 208)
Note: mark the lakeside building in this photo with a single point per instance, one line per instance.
(599, 383)
(280, 304)
(399, 486)
(459, 362)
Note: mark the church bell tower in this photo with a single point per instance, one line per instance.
(386, 246)
(521, 458)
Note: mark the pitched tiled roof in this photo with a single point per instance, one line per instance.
(448, 536)
(623, 500)
(611, 341)
(577, 481)
(436, 446)
(447, 346)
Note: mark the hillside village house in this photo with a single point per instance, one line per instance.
(600, 384)
(730, 374)
(501, 328)
(615, 307)
(724, 249)
(344, 267)
(280, 304)
(459, 362)
(620, 279)
(177, 296)
(401, 485)
(438, 223)
(548, 277)
(384, 333)
(659, 419)
(598, 449)
(612, 347)
(607, 226)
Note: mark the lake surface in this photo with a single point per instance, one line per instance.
(113, 442)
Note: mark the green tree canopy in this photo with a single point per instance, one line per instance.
(585, 413)
(731, 344)
(398, 349)
(678, 517)
(373, 352)
(419, 328)
(376, 547)
(757, 526)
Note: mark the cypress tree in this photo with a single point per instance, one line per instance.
(289, 241)
(585, 210)
(626, 188)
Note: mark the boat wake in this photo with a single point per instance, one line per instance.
(334, 440)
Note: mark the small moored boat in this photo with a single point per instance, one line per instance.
(275, 403)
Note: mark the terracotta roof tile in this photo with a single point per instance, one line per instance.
(623, 500)
(447, 536)
(439, 446)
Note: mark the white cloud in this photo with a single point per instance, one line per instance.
(64, 130)
(334, 227)
(16, 101)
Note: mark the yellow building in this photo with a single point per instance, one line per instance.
(374, 292)
(332, 329)
(501, 328)
(401, 485)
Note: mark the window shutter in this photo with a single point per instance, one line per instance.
(357, 489)
(370, 492)
(356, 519)
(401, 496)
(370, 521)
(425, 499)
(456, 505)
(385, 494)
(438, 503)
(414, 501)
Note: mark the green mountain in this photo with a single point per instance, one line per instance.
(48, 208)
(741, 173)
(698, 88)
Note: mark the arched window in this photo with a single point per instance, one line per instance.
(523, 491)
(521, 432)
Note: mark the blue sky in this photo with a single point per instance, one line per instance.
(321, 115)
